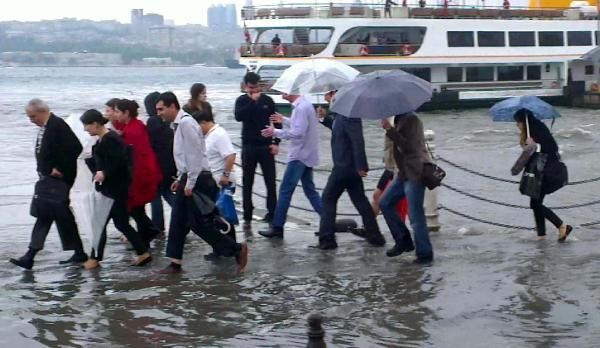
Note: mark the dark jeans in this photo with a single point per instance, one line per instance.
(185, 216)
(158, 215)
(296, 171)
(415, 193)
(67, 230)
(252, 156)
(145, 227)
(541, 213)
(120, 217)
(339, 181)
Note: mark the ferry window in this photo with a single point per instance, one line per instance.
(534, 72)
(589, 70)
(300, 35)
(424, 73)
(380, 41)
(510, 73)
(460, 39)
(551, 38)
(490, 39)
(596, 38)
(454, 74)
(483, 73)
(521, 38)
(579, 38)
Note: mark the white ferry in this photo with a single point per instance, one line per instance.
(471, 54)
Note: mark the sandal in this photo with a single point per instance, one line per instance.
(568, 230)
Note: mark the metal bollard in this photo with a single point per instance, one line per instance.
(431, 204)
(315, 332)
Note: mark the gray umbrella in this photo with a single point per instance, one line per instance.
(381, 94)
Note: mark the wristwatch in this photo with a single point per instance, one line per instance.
(226, 174)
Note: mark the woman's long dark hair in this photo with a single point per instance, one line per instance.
(131, 106)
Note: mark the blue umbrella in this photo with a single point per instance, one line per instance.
(505, 110)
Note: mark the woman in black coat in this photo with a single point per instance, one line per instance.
(110, 164)
(540, 135)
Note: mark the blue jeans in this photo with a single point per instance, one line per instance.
(296, 171)
(415, 192)
(158, 217)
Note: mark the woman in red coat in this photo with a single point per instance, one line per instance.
(146, 172)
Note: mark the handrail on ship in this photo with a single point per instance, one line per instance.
(413, 10)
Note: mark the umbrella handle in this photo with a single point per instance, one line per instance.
(527, 126)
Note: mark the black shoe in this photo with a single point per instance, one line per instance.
(271, 233)
(76, 258)
(398, 250)
(326, 245)
(23, 262)
(359, 232)
(423, 260)
(376, 239)
(247, 225)
(267, 218)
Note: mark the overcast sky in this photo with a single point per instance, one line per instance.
(181, 11)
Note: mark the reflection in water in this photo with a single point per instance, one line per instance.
(495, 288)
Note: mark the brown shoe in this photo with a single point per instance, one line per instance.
(91, 264)
(563, 236)
(142, 260)
(242, 258)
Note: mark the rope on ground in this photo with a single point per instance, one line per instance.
(319, 189)
(300, 208)
(492, 223)
(463, 168)
(563, 207)
(319, 170)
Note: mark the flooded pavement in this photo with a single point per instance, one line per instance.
(489, 286)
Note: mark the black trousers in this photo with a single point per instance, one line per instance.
(185, 216)
(67, 230)
(541, 213)
(252, 156)
(146, 228)
(339, 181)
(120, 216)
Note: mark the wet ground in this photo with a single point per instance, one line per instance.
(489, 286)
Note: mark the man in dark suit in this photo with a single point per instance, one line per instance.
(56, 152)
(349, 168)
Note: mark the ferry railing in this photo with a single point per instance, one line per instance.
(412, 9)
(281, 50)
(365, 49)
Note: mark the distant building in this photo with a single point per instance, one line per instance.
(141, 23)
(153, 20)
(222, 16)
(161, 37)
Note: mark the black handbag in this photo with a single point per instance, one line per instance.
(50, 198)
(433, 174)
(556, 176)
(533, 176)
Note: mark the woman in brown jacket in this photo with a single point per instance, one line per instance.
(410, 154)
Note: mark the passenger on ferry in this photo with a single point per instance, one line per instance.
(349, 167)
(254, 110)
(422, 3)
(196, 191)
(388, 8)
(303, 155)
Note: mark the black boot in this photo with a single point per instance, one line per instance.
(25, 261)
(78, 257)
(272, 232)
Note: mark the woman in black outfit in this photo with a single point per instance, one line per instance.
(112, 176)
(540, 135)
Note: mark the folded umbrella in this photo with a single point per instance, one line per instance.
(314, 76)
(381, 94)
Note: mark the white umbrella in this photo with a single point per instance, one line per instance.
(313, 76)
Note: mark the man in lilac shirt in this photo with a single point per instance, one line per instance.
(303, 155)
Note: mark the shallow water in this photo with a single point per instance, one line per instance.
(489, 286)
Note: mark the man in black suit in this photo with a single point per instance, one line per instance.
(56, 152)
